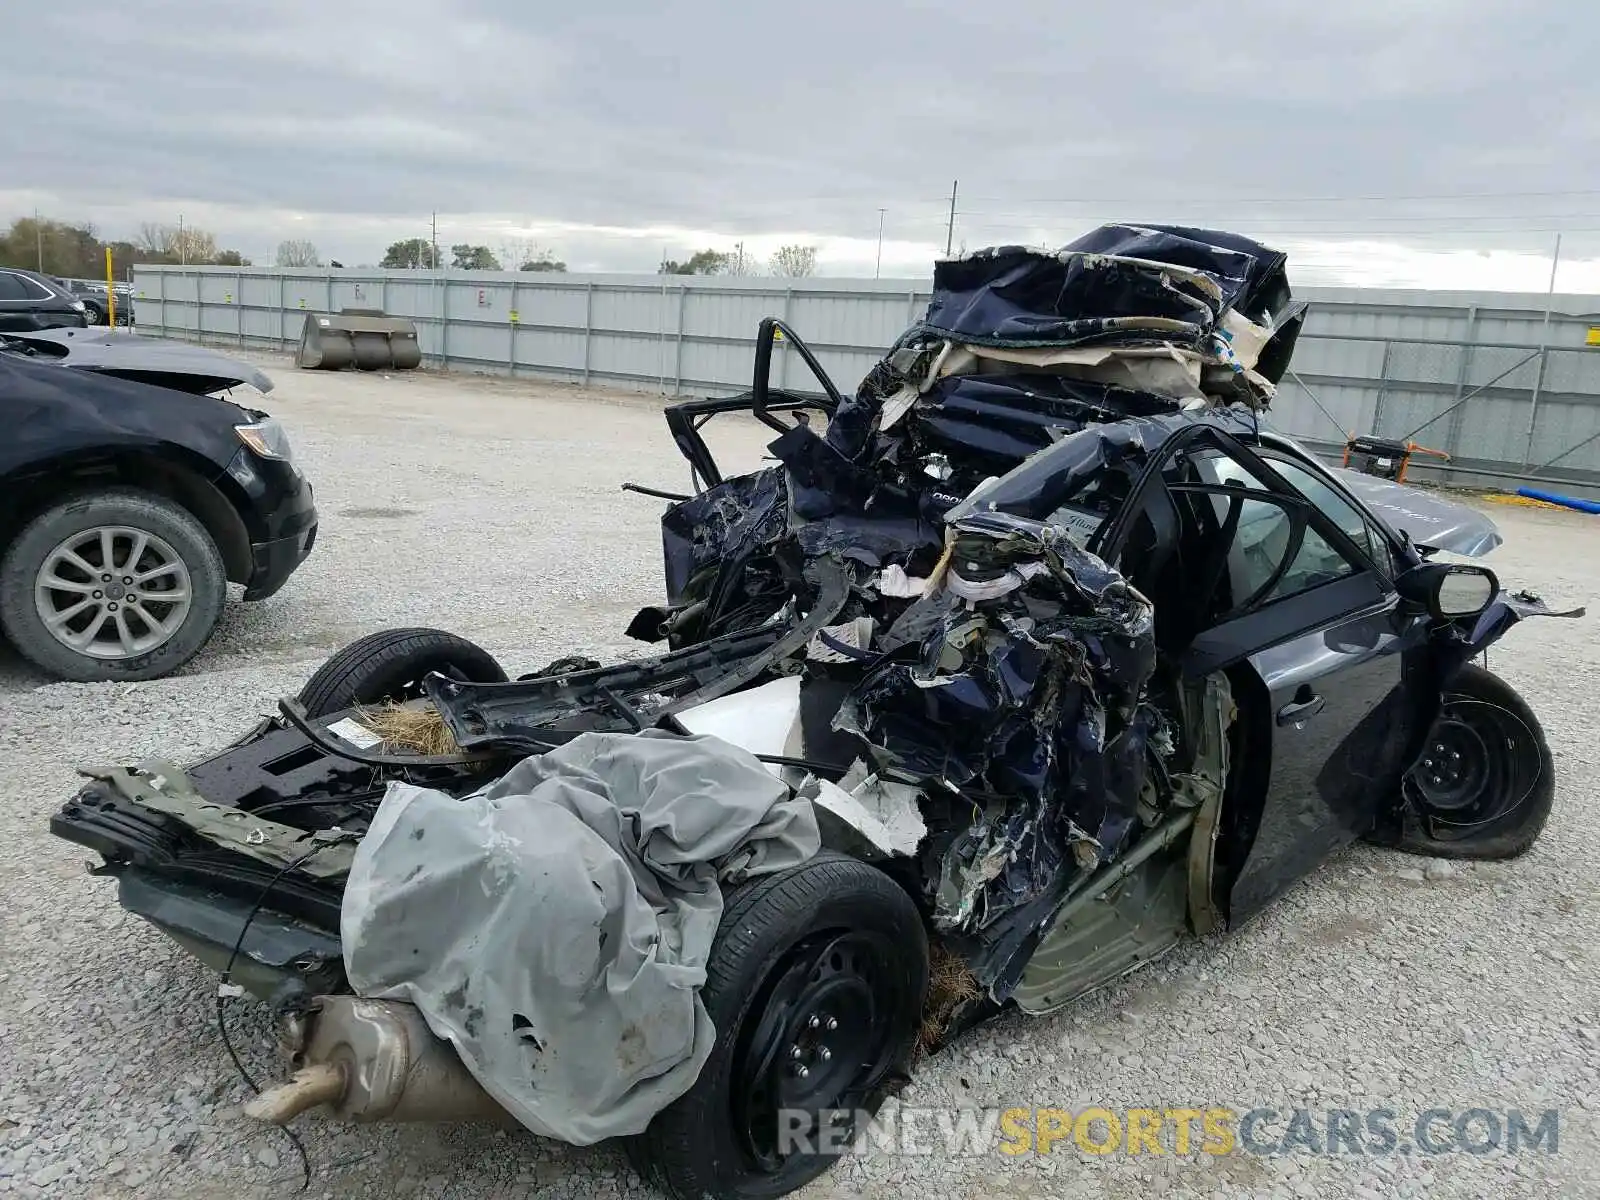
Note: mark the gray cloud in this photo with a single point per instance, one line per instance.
(755, 121)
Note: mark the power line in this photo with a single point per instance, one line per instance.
(1384, 218)
(1252, 199)
(1275, 229)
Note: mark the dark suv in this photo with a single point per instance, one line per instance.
(29, 301)
(131, 496)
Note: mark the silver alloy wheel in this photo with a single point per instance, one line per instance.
(113, 591)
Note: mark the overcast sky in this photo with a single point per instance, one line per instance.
(1406, 142)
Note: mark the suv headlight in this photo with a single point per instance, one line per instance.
(77, 306)
(267, 438)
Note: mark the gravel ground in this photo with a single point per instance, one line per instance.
(492, 508)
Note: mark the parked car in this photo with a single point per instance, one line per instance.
(133, 493)
(1034, 672)
(97, 300)
(29, 301)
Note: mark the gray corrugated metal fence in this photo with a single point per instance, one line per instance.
(1460, 372)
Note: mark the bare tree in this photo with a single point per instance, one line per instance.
(195, 245)
(740, 263)
(295, 253)
(795, 261)
(181, 244)
(153, 239)
(525, 254)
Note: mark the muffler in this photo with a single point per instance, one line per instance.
(373, 1060)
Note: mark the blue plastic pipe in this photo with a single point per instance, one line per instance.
(1588, 506)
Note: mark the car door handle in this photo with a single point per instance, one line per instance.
(1293, 714)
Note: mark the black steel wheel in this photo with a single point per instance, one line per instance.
(815, 987)
(1484, 784)
(823, 1039)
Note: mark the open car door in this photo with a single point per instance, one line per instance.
(1285, 588)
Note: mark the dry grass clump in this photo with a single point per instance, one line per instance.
(950, 985)
(419, 729)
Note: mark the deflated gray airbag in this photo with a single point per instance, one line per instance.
(555, 925)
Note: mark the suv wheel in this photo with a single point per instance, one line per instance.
(95, 314)
(111, 585)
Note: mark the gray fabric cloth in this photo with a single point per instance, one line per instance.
(555, 925)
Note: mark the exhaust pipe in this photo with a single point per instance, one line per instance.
(373, 1060)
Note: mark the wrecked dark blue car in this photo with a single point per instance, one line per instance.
(1073, 655)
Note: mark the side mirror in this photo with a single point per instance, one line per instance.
(1449, 591)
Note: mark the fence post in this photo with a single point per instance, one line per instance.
(283, 309)
(199, 308)
(161, 296)
(511, 339)
(588, 326)
(783, 365)
(1452, 433)
(1383, 386)
(677, 349)
(661, 340)
(1533, 406)
(441, 289)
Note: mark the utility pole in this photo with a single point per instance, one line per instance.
(435, 263)
(950, 230)
(183, 246)
(738, 268)
(38, 233)
(877, 269)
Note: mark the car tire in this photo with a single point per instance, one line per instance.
(833, 932)
(390, 664)
(1485, 784)
(169, 532)
(93, 313)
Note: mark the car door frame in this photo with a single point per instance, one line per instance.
(1230, 646)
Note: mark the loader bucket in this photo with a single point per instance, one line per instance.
(361, 338)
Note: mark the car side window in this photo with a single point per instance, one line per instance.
(11, 287)
(1339, 510)
(1264, 531)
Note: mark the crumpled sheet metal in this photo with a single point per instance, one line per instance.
(1033, 698)
(555, 925)
(1092, 459)
(164, 788)
(729, 522)
(1118, 285)
(1156, 317)
(1251, 276)
(1013, 296)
